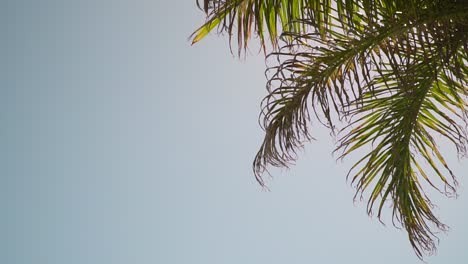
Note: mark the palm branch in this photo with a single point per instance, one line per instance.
(396, 70)
(268, 18)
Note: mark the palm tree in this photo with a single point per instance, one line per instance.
(394, 70)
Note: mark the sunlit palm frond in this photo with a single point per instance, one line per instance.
(396, 69)
(401, 79)
(397, 118)
(420, 89)
(320, 74)
(268, 18)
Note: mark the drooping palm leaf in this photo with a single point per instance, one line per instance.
(396, 118)
(397, 69)
(399, 80)
(395, 75)
(320, 74)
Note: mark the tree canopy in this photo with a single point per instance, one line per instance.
(394, 71)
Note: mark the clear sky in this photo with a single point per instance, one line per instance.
(121, 143)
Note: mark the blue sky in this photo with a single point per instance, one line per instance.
(124, 144)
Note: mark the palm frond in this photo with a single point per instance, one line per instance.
(396, 118)
(268, 18)
(400, 79)
(420, 88)
(318, 74)
(395, 69)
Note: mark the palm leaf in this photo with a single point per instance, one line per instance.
(395, 69)
(268, 18)
(400, 81)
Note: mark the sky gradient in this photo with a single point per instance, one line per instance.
(121, 143)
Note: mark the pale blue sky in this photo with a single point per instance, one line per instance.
(121, 143)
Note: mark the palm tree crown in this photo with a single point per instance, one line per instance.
(395, 71)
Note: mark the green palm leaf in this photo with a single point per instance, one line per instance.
(400, 81)
(396, 70)
(244, 17)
